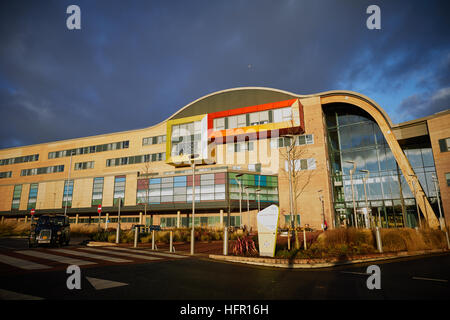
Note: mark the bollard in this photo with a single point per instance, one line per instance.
(171, 241)
(225, 241)
(136, 229)
(304, 238)
(378, 236)
(153, 239)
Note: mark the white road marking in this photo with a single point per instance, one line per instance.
(22, 264)
(62, 259)
(137, 256)
(429, 279)
(149, 252)
(90, 255)
(100, 284)
(11, 295)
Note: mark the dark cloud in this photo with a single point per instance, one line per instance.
(135, 63)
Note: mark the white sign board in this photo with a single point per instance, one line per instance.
(267, 230)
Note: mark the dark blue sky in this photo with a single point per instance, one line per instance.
(134, 63)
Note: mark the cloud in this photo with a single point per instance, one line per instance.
(134, 64)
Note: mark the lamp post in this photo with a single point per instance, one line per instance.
(68, 180)
(415, 198)
(257, 194)
(365, 195)
(118, 220)
(248, 206)
(192, 157)
(238, 181)
(441, 220)
(352, 171)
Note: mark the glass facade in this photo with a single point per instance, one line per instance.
(186, 138)
(354, 136)
(208, 187)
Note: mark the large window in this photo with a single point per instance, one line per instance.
(16, 197)
(119, 189)
(447, 177)
(186, 138)
(68, 193)
(32, 196)
(97, 191)
(355, 138)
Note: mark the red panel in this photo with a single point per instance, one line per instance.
(260, 107)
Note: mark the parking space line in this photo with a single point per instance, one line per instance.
(136, 256)
(22, 264)
(62, 259)
(90, 255)
(162, 254)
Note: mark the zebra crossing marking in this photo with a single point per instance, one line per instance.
(20, 263)
(90, 255)
(125, 254)
(62, 259)
(162, 254)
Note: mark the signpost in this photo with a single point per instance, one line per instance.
(99, 210)
(267, 230)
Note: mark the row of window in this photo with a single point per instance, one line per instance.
(84, 165)
(154, 140)
(90, 149)
(136, 159)
(43, 170)
(33, 157)
(253, 119)
(286, 142)
(6, 174)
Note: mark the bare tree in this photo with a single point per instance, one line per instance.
(146, 173)
(297, 169)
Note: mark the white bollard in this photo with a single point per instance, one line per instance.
(225, 241)
(153, 239)
(171, 241)
(378, 236)
(135, 236)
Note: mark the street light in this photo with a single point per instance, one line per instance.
(192, 157)
(238, 181)
(257, 194)
(248, 207)
(352, 171)
(68, 180)
(415, 199)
